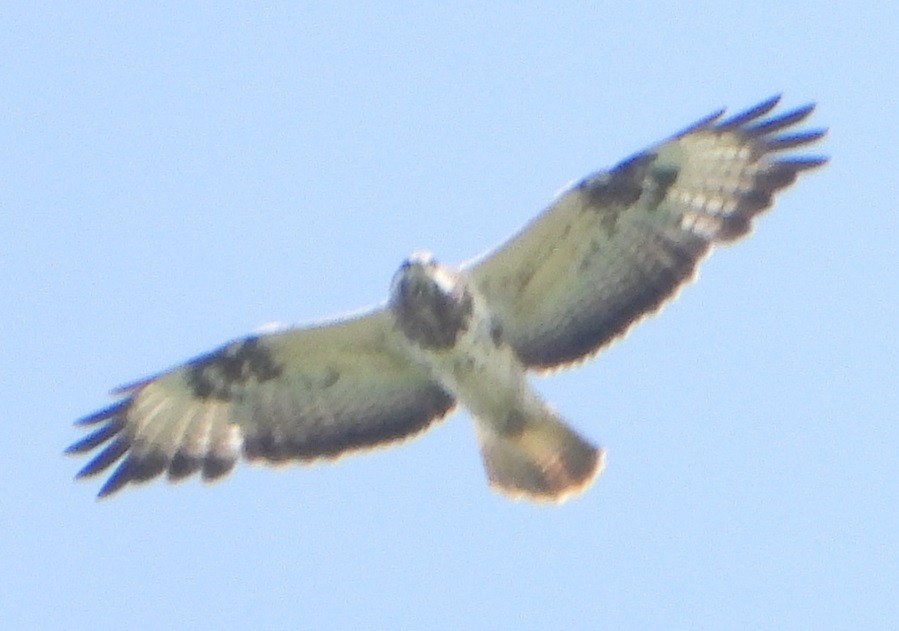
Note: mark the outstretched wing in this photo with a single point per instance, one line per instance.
(615, 246)
(300, 394)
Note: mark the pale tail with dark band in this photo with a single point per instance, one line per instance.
(544, 460)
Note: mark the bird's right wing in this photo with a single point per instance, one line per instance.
(299, 394)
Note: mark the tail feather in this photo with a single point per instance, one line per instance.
(542, 459)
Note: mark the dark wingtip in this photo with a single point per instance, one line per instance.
(119, 478)
(96, 438)
(215, 468)
(791, 141)
(109, 489)
(804, 163)
(130, 387)
(702, 123)
(104, 414)
(756, 111)
(183, 465)
(787, 119)
(102, 461)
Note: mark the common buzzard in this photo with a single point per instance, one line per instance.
(608, 251)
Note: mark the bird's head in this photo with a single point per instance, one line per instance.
(430, 301)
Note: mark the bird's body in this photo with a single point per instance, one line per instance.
(607, 252)
(521, 438)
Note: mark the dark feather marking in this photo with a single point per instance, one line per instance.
(428, 316)
(777, 176)
(790, 141)
(105, 413)
(339, 435)
(753, 201)
(595, 332)
(496, 331)
(135, 468)
(214, 467)
(610, 193)
(656, 184)
(619, 187)
(110, 454)
(777, 123)
(183, 465)
(332, 376)
(134, 386)
(739, 119)
(146, 466)
(737, 225)
(513, 424)
(702, 123)
(269, 444)
(524, 276)
(98, 437)
(119, 478)
(637, 179)
(805, 163)
(215, 375)
(593, 249)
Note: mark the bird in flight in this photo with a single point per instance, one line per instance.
(608, 251)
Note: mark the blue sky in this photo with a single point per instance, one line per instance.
(177, 175)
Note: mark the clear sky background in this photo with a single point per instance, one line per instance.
(176, 176)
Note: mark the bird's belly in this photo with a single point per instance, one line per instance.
(482, 372)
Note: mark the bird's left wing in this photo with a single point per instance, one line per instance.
(299, 394)
(617, 245)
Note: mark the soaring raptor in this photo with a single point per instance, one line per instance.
(608, 251)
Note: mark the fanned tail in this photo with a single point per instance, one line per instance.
(540, 459)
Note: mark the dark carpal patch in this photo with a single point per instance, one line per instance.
(639, 179)
(214, 375)
(658, 181)
(621, 186)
